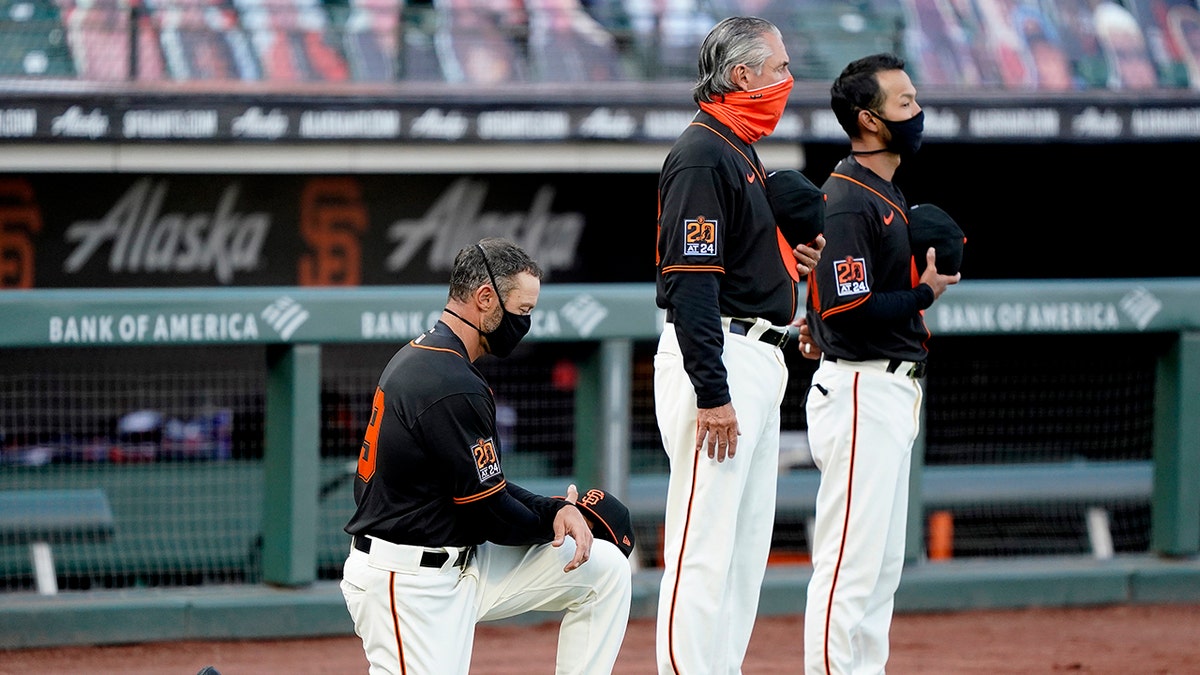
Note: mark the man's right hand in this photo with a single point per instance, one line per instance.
(718, 429)
(570, 521)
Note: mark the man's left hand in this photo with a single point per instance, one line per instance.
(808, 347)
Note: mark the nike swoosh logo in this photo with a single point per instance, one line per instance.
(887, 220)
(750, 177)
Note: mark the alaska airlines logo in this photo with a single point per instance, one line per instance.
(457, 217)
(144, 237)
(285, 316)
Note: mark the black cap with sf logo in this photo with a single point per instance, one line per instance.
(610, 518)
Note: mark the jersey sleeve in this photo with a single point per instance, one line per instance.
(502, 512)
(692, 232)
(464, 424)
(692, 222)
(843, 278)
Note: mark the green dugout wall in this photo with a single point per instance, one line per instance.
(295, 322)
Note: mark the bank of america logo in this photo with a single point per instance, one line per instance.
(285, 316)
(1140, 306)
(584, 313)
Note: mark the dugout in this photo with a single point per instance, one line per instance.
(1052, 358)
(251, 533)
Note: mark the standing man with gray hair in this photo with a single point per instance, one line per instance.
(728, 281)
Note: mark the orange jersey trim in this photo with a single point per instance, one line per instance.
(757, 172)
(482, 495)
(877, 193)
(693, 268)
(813, 292)
(845, 308)
(435, 349)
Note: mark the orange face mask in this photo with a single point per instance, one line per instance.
(752, 114)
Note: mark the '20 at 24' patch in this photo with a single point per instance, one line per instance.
(487, 461)
(700, 236)
(851, 276)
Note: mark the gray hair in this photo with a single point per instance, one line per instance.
(733, 41)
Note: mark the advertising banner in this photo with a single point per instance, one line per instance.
(1009, 116)
(166, 230)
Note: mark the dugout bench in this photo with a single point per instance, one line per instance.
(40, 518)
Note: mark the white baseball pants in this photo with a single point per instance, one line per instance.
(421, 621)
(862, 422)
(719, 516)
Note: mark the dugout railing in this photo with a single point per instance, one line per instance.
(295, 326)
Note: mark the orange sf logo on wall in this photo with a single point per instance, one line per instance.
(332, 220)
(20, 218)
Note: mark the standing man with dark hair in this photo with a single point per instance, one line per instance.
(440, 539)
(865, 309)
(728, 281)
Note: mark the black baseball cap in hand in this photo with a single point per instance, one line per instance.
(610, 518)
(928, 226)
(798, 205)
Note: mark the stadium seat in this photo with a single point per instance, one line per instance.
(291, 40)
(32, 41)
(567, 45)
(203, 40)
(478, 44)
(982, 45)
(365, 31)
(98, 36)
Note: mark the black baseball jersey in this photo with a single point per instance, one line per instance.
(719, 251)
(863, 300)
(429, 467)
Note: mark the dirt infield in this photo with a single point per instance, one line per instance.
(1142, 639)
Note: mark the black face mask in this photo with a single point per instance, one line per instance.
(504, 338)
(906, 135)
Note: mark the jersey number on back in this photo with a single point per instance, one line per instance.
(366, 459)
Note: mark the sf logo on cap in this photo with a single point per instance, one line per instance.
(592, 498)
